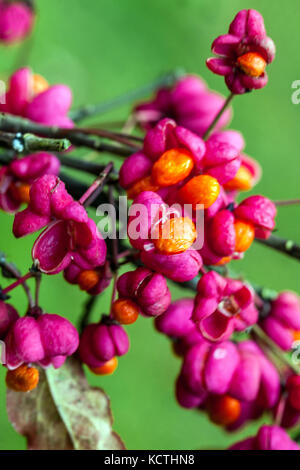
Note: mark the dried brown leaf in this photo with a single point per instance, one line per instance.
(64, 412)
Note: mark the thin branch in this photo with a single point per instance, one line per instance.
(7, 157)
(27, 143)
(76, 188)
(287, 202)
(103, 107)
(16, 124)
(87, 310)
(65, 159)
(288, 247)
(18, 282)
(79, 164)
(25, 48)
(122, 138)
(38, 278)
(274, 348)
(216, 119)
(95, 189)
(11, 269)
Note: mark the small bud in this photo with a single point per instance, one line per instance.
(244, 233)
(202, 189)
(125, 311)
(252, 64)
(107, 369)
(172, 167)
(22, 379)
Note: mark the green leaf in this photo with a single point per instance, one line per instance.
(64, 412)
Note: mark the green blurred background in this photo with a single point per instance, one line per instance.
(103, 48)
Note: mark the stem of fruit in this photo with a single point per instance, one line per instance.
(103, 107)
(87, 310)
(287, 202)
(218, 116)
(94, 190)
(14, 273)
(288, 247)
(17, 125)
(27, 143)
(260, 334)
(18, 282)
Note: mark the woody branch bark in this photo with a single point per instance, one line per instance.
(283, 245)
(31, 143)
(65, 159)
(16, 124)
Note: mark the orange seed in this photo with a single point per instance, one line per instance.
(172, 167)
(144, 184)
(224, 409)
(87, 279)
(125, 311)
(39, 84)
(241, 182)
(22, 379)
(202, 189)
(296, 335)
(252, 63)
(176, 235)
(21, 192)
(108, 368)
(224, 260)
(244, 235)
